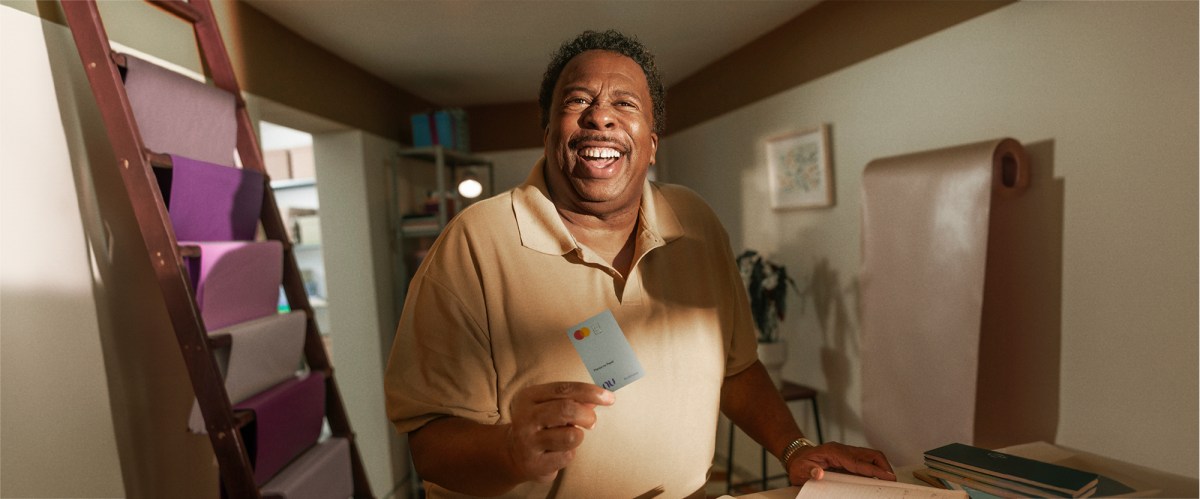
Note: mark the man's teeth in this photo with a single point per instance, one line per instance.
(600, 153)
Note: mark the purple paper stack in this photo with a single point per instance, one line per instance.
(215, 207)
(287, 420)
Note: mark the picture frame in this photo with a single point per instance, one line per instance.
(798, 169)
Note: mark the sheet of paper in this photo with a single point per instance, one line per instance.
(605, 351)
(841, 486)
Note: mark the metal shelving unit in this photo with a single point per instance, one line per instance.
(404, 192)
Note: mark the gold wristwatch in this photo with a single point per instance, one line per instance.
(794, 447)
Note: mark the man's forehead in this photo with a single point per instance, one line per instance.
(603, 63)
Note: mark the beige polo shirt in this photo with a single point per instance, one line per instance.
(488, 313)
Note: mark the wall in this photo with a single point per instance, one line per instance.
(55, 415)
(512, 167)
(354, 233)
(1105, 92)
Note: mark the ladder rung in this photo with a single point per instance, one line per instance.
(220, 341)
(180, 8)
(242, 418)
(158, 159)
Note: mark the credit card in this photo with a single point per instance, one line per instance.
(605, 351)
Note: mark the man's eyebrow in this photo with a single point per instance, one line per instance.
(576, 88)
(627, 94)
(567, 90)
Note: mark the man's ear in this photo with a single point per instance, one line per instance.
(653, 148)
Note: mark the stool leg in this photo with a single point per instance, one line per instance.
(817, 419)
(764, 468)
(729, 462)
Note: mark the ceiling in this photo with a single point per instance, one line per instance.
(471, 52)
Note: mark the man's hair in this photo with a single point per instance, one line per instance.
(612, 41)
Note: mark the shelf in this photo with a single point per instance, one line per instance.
(420, 232)
(290, 183)
(450, 156)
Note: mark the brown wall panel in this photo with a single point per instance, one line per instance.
(830, 36)
(499, 127)
(273, 62)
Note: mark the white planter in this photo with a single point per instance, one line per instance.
(772, 356)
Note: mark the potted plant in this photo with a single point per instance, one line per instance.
(767, 284)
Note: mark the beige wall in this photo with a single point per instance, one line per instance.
(1105, 92)
(55, 416)
(358, 269)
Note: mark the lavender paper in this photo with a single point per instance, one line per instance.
(322, 472)
(178, 115)
(236, 281)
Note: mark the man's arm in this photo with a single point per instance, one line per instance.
(489, 460)
(464, 456)
(752, 402)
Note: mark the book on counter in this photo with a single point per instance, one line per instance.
(1024, 477)
(841, 486)
(994, 486)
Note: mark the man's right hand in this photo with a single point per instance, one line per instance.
(547, 425)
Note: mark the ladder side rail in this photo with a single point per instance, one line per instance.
(215, 56)
(91, 39)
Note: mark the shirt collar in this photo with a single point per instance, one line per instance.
(543, 230)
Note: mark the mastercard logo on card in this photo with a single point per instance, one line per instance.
(582, 333)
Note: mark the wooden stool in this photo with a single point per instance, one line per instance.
(790, 392)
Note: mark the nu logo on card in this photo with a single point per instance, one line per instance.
(606, 353)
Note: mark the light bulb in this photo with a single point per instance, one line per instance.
(470, 188)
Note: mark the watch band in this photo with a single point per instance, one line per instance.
(794, 447)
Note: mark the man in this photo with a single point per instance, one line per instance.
(483, 376)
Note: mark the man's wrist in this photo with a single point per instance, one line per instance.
(792, 448)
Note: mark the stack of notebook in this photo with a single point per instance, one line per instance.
(991, 473)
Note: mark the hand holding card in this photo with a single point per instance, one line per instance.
(547, 422)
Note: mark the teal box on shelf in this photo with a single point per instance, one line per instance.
(445, 127)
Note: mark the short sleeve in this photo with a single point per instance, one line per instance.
(741, 340)
(441, 360)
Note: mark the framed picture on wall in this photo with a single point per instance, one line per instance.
(798, 166)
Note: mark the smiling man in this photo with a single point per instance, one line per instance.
(484, 374)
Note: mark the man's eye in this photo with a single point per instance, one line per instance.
(625, 104)
(577, 101)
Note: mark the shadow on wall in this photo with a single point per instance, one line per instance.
(838, 329)
(151, 396)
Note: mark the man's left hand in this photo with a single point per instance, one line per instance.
(812, 462)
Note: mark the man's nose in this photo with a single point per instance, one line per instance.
(598, 116)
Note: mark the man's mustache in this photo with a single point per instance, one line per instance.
(614, 139)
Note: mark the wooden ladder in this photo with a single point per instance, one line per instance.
(135, 162)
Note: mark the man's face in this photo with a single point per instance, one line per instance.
(600, 140)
